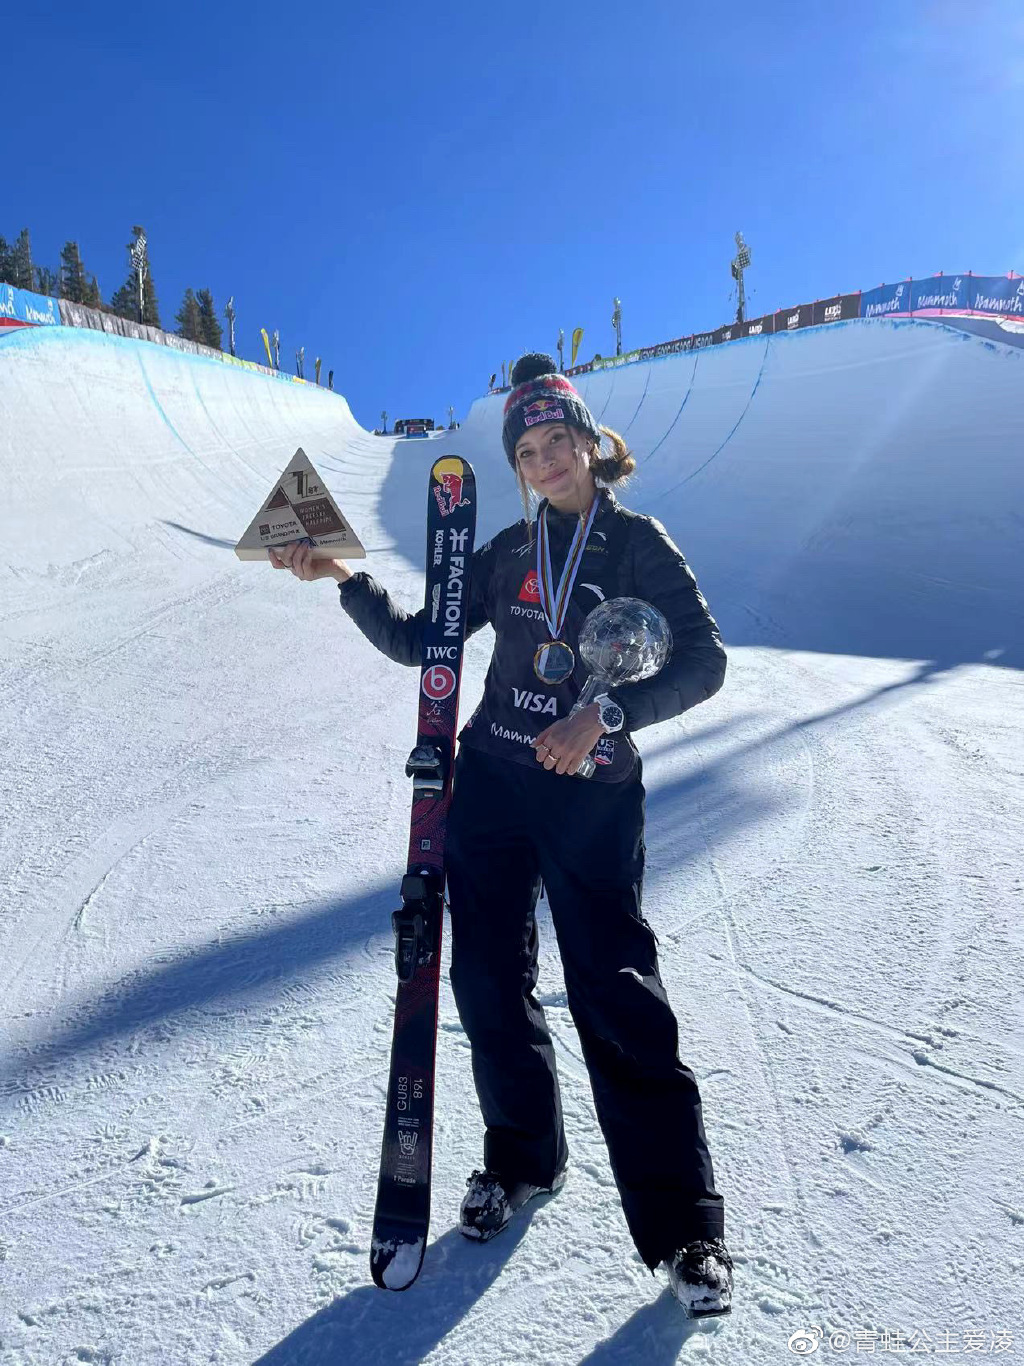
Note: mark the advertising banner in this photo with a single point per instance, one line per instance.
(611, 362)
(789, 319)
(99, 320)
(20, 308)
(997, 297)
(77, 315)
(940, 293)
(670, 348)
(128, 327)
(177, 343)
(755, 327)
(577, 337)
(1000, 294)
(886, 301)
(837, 308)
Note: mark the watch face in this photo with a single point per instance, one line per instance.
(611, 716)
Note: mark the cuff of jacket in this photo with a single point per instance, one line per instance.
(638, 711)
(621, 699)
(346, 587)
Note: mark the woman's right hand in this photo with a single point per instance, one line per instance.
(298, 557)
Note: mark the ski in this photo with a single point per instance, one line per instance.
(402, 1213)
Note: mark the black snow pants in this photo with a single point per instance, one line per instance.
(510, 827)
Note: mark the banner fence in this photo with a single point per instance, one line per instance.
(997, 297)
(966, 296)
(19, 308)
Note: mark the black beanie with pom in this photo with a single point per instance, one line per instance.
(540, 394)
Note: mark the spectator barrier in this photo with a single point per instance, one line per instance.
(20, 308)
(995, 297)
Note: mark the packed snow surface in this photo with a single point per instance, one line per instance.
(205, 822)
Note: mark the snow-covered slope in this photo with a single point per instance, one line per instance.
(205, 820)
(855, 489)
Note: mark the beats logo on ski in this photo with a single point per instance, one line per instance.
(438, 682)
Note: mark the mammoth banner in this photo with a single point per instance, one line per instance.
(21, 308)
(989, 295)
(999, 294)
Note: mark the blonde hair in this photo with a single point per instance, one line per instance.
(613, 468)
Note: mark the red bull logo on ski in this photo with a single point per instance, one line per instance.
(449, 485)
(543, 410)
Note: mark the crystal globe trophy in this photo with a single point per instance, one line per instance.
(622, 640)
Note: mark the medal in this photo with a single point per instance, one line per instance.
(554, 661)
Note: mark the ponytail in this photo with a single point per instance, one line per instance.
(617, 465)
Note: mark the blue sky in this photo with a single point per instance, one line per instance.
(417, 192)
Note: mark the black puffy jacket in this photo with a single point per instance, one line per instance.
(628, 554)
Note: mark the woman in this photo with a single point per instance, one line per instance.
(519, 818)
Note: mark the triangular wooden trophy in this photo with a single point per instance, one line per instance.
(300, 508)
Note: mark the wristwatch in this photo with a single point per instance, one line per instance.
(611, 714)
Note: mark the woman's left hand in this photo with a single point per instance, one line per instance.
(563, 745)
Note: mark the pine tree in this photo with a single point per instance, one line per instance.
(47, 281)
(73, 284)
(125, 301)
(93, 298)
(189, 318)
(6, 263)
(24, 271)
(209, 327)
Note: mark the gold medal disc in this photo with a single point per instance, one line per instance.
(554, 662)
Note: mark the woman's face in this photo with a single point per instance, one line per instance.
(547, 456)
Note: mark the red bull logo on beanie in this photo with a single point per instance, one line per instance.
(543, 410)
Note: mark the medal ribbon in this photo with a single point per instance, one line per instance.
(555, 605)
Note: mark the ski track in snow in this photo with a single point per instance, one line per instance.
(207, 828)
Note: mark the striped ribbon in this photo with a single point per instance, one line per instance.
(555, 604)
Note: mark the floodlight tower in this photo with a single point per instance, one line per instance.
(617, 324)
(561, 347)
(740, 262)
(229, 313)
(139, 265)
